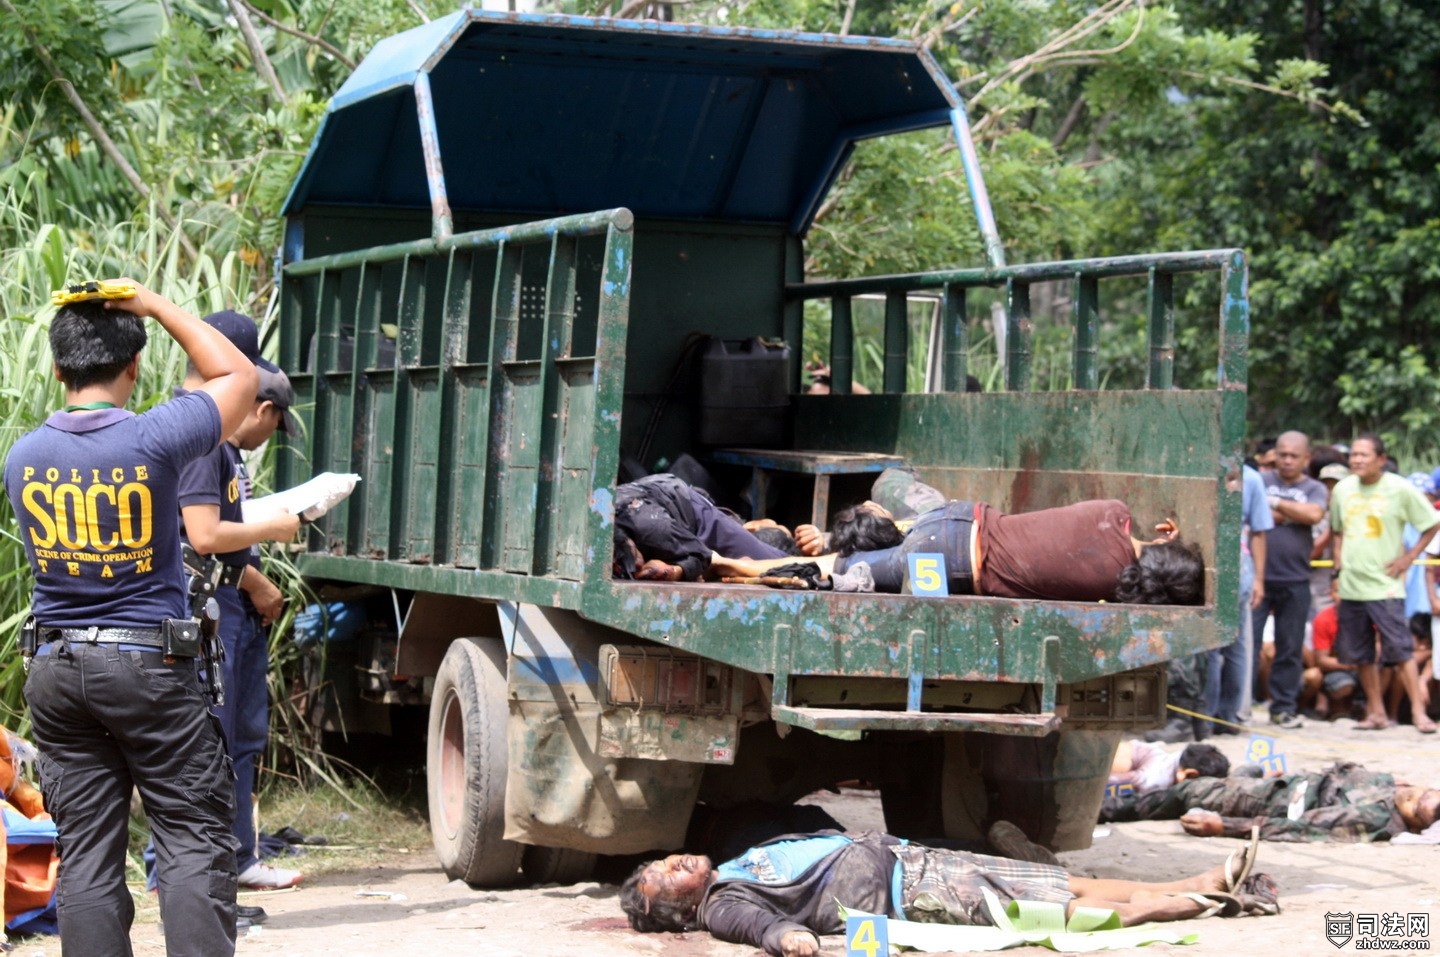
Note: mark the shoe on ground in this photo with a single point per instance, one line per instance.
(1178, 730)
(255, 915)
(260, 876)
(1007, 840)
(1224, 729)
(1288, 720)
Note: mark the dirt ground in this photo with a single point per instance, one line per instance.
(407, 907)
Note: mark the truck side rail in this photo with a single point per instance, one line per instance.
(474, 382)
(1085, 274)
(998, 467)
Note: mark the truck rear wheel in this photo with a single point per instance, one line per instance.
(557, 865)
(466, 763)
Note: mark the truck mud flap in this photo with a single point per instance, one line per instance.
(607, 744)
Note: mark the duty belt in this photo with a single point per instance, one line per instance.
(105, 636)
(232, 574)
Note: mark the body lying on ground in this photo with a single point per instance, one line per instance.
(1344, 802)
(1150, 767)
(782, 894)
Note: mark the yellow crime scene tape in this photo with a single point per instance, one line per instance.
(1282, 735)
(1330, 563)
(91, 289)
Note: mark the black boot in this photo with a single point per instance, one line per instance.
(1201, 729)
(1177, 730)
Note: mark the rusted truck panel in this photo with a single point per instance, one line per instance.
(486, 309)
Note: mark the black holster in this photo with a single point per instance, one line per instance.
(205, 572)
(29, 638)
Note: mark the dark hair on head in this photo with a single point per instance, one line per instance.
(1323, 455)
(623, 564)
(654, 915)
(1376, 443)
(857, 529)
(1206, 759)
(778, 539)
(1170, 573)
(1265, 445)
(91, 346)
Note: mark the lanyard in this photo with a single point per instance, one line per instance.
(89, 407)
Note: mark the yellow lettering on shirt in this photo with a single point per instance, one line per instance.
(136, 515)
(86, 519)
(36, 496)
(92, 511)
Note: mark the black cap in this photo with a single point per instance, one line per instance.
(275, 388)
(241, 331)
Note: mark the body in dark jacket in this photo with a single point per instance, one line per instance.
(672, 521)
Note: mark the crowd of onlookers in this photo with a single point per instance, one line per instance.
(1336, 632)
(1337, 596)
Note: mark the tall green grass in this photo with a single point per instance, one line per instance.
(37, 255)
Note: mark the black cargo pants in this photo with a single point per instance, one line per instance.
(105, 719)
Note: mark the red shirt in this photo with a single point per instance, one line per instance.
(1324, 627)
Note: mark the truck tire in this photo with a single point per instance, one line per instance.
(466, 760)
(557, 865)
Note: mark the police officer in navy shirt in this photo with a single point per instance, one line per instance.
(94, 493)
(212, 490)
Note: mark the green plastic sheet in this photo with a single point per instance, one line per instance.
(1030, 923)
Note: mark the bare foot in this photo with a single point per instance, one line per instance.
(1147, 906)
(1211, 880)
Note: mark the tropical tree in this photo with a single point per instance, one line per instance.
(1342, 217)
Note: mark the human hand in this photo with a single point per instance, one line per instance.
(268, 600)
(809, 539)
(1397, 567)
(1202, 823)
(282, 527)
(1169, 530)
(1257, 594)
(655, 570)
(799, 943)
(142, 304)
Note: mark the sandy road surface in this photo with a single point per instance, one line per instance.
(408, 908)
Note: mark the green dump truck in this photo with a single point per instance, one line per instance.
(508, 237)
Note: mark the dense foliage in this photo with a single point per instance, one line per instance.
(159, 137)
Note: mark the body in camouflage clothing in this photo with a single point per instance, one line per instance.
(903, 495)
(1343, 803)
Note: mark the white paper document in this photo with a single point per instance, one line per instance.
(309, 500)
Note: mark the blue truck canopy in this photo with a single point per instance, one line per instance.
(672, 121)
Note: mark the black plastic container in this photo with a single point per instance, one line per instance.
(744, 394)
